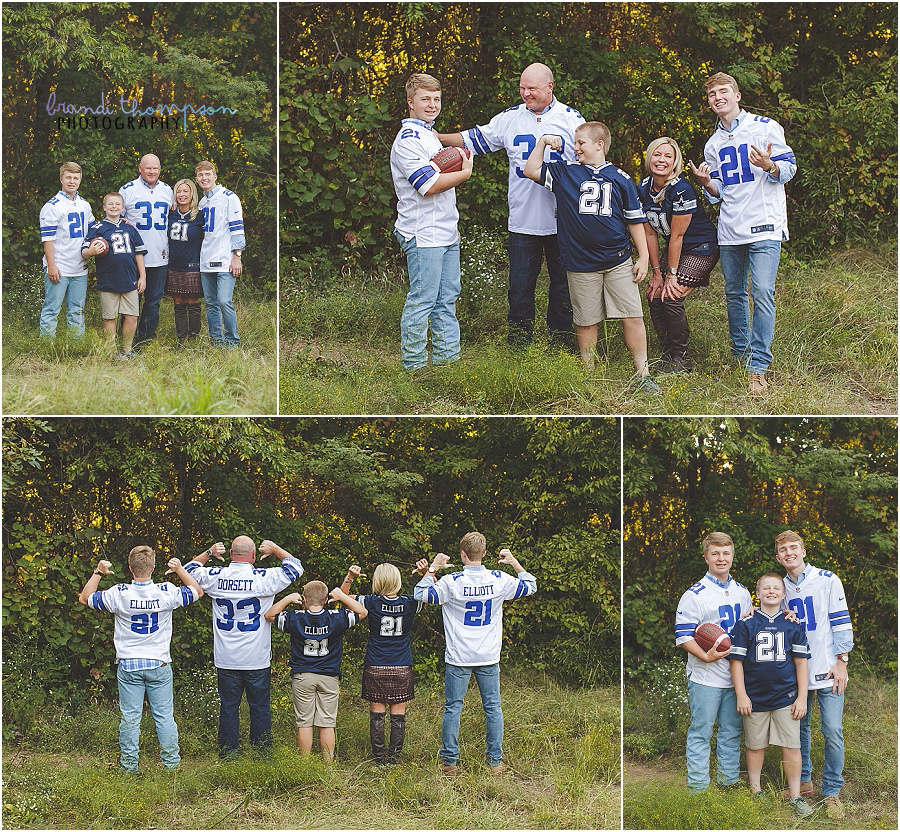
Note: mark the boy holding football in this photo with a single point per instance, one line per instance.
(426, 230)
(769, 669)
(599, 214)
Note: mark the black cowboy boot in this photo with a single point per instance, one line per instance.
(193, 313)
(181, 323)
(376, 735)
(398, 733)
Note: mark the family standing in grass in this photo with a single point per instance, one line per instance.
(790, 650)
(244, 609)
(584, 220)
(152, 241)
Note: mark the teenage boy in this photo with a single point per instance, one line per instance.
(147, 202)
(64, 220)
(600, 215)
(220, 255)
(720, 599)
(426, 230)
(472, 606)
(769, 669)
(817, 597)
(120, 271)
(532, 211)
(143, 632)
(316, 652)
(242, 636)
(746, 164)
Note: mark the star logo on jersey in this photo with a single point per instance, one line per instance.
(680, 205)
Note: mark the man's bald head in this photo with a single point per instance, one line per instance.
(538, 72)
(536, 87)
(243, 549)
(149, 168)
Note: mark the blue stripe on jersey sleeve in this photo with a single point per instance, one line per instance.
(478, 140)
(421, 176)
(96, 601)
(785, 157)
(187, 596)
(432, 597)
(235, 225)
(839, 619)
(684, 630)
(291, 571)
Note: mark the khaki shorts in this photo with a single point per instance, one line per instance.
(315, 699)
(113, 304)
(597, 296)
(764, 728)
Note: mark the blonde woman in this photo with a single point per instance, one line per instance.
(674, 213)
(387, 670)
(185, 239)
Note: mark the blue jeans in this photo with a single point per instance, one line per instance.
(456, 680)
(232, 685)
(72, 290)
(149, 319)
(831, 711)
(218, 289)
(157, 685)
(709, 704)
(434, 286)
(525, 254)
(751, 342)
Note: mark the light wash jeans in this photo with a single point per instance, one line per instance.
(751, 342)
(434, 286)
(708, 705)
(72, 290)
(456, 680)
(218, 289)
(831, 712)
(157, 685)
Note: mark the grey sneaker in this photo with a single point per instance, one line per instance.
(645, 384)
(801, 807)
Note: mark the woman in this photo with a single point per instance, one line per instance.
(674, 212)
(387, 669)
(183, 281)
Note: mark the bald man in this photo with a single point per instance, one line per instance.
(242, 641)
(532, 208)
(147, 203)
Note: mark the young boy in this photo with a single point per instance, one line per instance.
(600, 215)
(316, 651)
(64, 220)
(120, 272)
(143, 631)
(220, 255)
(426, 229)
(769, 669)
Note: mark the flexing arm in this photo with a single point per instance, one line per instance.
(535, 159)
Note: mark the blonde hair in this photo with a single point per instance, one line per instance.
(597, 131)
(112, 194)
(386, 580)
(70, 167)
(419, 80)
(788, 537)
(204, 165)
(716, 539)
(194, 200)
(474, 545)
(676, 170)
(765, 575)
(315, 593)
(720, 79)
(141, 559)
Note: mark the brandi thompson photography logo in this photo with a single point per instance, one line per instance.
(125, 114)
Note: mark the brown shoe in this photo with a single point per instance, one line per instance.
(758, 384)
(449, 769)
(806, 790)
(834, 808)
(498, 769)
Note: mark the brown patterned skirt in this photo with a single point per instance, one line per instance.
(183, 284)
(693, 269)
(387, 685)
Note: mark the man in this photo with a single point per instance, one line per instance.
(220, 255)
(746, 165)
(817, 597)
(147, 203)
(472, 606)
(63, 221)
(720, 599)
(242, 643)
(532, 208)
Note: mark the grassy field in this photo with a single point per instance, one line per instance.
(562, 747)
(655, 789)
(835, 347)
(69, 376)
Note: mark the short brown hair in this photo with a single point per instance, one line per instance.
(720, 79)
(474, 545)
(419, 80)
(768, 575)
(716, 539)
(113, 194)
(597, 132)
(204, 165)
(788, 537)
(141, 559)
(315, 593)
(70, 167)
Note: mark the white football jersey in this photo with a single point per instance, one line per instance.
(532, 208)
(147, 209)
(753, 205)
(707, 601)
(241, 596)
(143, 617)
(821, 605)
(472, 605)
(223, 225)
(65, 222)
(431, 219)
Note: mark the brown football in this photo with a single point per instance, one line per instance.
(711, 635)
(449, 159)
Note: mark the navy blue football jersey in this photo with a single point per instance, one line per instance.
(117, 270)
(594, 207)
(316, 639)
(680, 199)
(390, 622)
(185, 241)
(768, 646)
